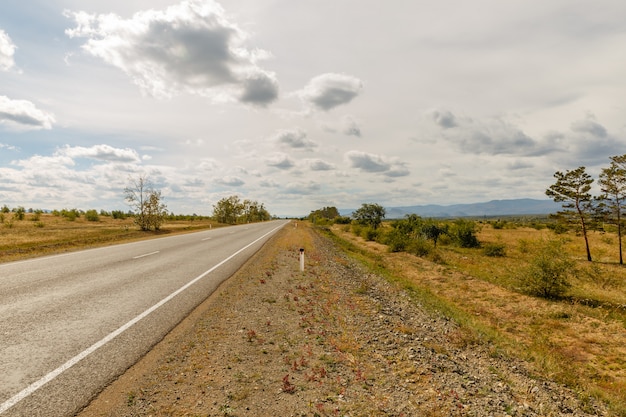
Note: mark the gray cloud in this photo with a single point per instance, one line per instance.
(230, 181)
(444, 118)
(491, 136)
(280, 161)
(260, 89)
(24, 114)
(7, 50)
(589, 126)
(295, 138)
(330, 90)
(319, 165)
(190, 47)
(304, 188)
(350, 127)
(373, 163)
(367, 162)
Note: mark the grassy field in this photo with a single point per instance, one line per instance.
(43, 234)
(578, 339)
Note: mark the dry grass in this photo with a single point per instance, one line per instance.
(579, 340)
(48, 234)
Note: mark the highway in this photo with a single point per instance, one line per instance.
(71, 323)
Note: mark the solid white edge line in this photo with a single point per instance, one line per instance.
(5, 406)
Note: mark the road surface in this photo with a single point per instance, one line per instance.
(71, 323)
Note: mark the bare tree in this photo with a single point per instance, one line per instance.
(146, 202)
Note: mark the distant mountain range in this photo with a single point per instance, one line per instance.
(521, 206)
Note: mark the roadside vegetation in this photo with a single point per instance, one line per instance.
(32, 232)
(523, 284)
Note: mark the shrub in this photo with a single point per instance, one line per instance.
(420, 247)
(19, 213)
(495, 249)
(548, 273)
(464, 232)
(36, 215)
(343, 220)
(92, 216)
(369, 233)
(118, 214)
(397, 240)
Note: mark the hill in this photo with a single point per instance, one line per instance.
(521, 206)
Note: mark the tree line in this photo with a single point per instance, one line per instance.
(572, 188)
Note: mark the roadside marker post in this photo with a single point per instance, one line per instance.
(301, 259)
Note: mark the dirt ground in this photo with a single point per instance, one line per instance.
(334, 340)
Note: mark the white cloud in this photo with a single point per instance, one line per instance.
(104, 153)
(23, 115)
(189, 47)
(7, 50)
(330, 90)
(295, 139)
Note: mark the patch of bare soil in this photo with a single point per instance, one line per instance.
(333, 340)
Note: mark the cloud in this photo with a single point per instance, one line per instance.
(319, 165)
(350, 127)
(280, 161)
(295, 139)
(7, 50)
(104, 153)
(368, 162)
(444, 118)
(23, 114)
(189, 47)
(373, 163)
(491, 136)
(330, 90)
(230, 181)
(304, 187)
(589, 126)
(259, 89)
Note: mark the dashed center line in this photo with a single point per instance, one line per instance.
(146, 254)
(207, 238)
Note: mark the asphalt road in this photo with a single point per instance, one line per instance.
(70, 324)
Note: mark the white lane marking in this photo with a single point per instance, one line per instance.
(207, 238)
(82, 355)
(146, 254)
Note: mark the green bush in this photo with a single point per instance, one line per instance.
(464, 233)
(118, 214)
(420, 247)
(369, 233)
(343, 220)
(549, 271)
(19, 213)
(92, 216)
(495, 249)
(396, 240)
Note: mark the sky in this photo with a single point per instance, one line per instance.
(305, 104)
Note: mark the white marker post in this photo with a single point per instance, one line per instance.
(301, 259)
